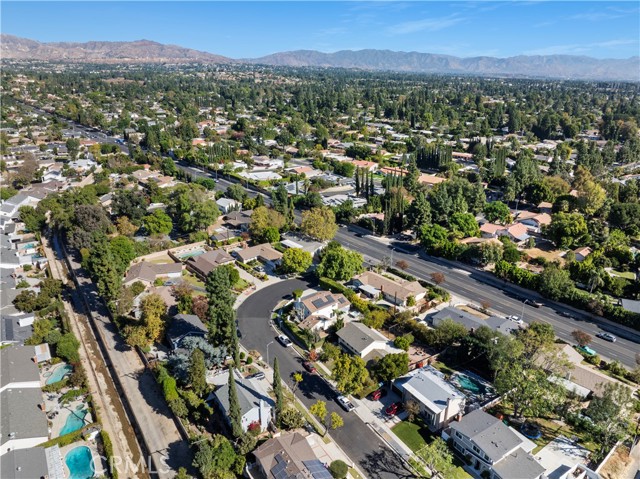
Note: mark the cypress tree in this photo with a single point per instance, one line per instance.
(197, 372)
(277, 389)
(371, 193)
(234, 406)
(357, 175)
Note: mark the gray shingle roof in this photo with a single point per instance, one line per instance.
(358, 336)
(24, 464)
(519, 465)
(16, 365)
(21, 415)
(490, 434)
(248, 396)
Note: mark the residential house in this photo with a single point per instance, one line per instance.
(321, 310)
(227, 205)
(147, 273)
(430, 180)
(289, 456)
(262, 252)
(22, 419)
(545, 207)
(364, 342)
(582, 253)
(10, 207)
(456, 155)
(473, 322)
(440, 402)
(492, 446)
(395, 290)
(256, 406)
(183, 326)
(204, 263)
(292, 240)
(238, 220)
(534, 221)
(393, 170)
(517, 232)
(18, 369)
(370, 166)
(29, 463)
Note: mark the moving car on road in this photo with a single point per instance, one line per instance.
(308, 365)
(515, 319)
(282, 339)
(606, 336)
(345, 403)
(531, 302)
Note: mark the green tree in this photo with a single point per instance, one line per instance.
(33, 220)
(67, 348)
(191, 208)
(338, 469)
(611, 413)
(567, 230)
(235, 415)
(103, 265)
(158, 223)
(497, 212)
(336, 421)
(464, 225)
(419, 212)
(339, 263)
(215, 458)
(262, 219)
(197, 372)
(296, 260)
(153, 310)
(555, 283)
(392, 366)
(438, 457)
(319, 223)
(350, 374)
(277, 390)
(404, 342)
(221, 315)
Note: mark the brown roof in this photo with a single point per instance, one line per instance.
(322, 299)
(262, 251)
(144, 271)
(401, 288)
(207, 262)
(491, 228)
(291, 449)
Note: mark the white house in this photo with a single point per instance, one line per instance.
(439, 401)
(494, 447)
(397, 291)
(362, 341)
(256, 406)
(320, 309)
(227, 205)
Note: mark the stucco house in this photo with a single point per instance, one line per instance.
(397, 291)
(364, 342)
(323, 307)
(147, 273)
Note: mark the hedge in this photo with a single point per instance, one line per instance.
(108, 453)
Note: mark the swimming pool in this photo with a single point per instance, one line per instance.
(75, 421)
(59, 373)
(191, 254)
(80, 463)
(473, 385)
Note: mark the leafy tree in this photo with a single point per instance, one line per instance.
(103, 265)
(296, 260)
(153, 310)
(319, 223)
(33, 220)
(123, 250)
(433, 237)
(497, 212)
(581, 337)
(339, 263)
(319, 409)
(191, 209)
(197, 372)
(567, 230)
(376, 319)
(125, 227)
(338, 469)
(236, 192)
(291, 418)
(610, 412)
(446, 333)
(404, 342)
(438, 457)
(350, 374)
(336, 420)
(392, 366)
(626, 216)
(262, 219)
(216, 459)
(555, 283)
(235, 415)
(464, 225)
(158, 223)
(67, 348)
(129, 203)
(221, 315)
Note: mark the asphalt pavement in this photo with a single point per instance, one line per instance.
(357, 439)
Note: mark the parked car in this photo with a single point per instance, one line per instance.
(587, 350)
(515, 319)
(308, 365)
(393, 409)
(531, 302)
(606, 336)
(345, 403)
(258, 375)
(564, 314)
(378, 394)
(282, 339)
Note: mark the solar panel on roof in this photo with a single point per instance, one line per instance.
(317, 469)
(279, 471)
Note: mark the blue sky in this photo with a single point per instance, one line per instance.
(252, 29)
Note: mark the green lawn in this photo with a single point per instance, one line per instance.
(414, 435)
(241, 285)
(193, 280)
(626, 274)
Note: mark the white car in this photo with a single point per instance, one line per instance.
(515, 319)
(282, 339)
(345, 403)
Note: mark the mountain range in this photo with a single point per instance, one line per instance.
(146, 51)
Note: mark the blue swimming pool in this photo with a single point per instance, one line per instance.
(470, 384)
(59, 373)
(80, 463)
(75, 421)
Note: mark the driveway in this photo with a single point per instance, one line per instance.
(356, 438)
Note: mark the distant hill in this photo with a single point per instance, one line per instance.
(551, 66)
(145, 51)
(139, 51)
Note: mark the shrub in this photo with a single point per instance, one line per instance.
(338, 469)
(249, 360)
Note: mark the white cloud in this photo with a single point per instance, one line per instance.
(595, 16)
(427, 24)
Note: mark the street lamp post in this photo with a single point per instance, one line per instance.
(268, 363)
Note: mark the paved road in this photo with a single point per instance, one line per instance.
(151, 418)
(474, 286)
(360, 443)
(477, 286)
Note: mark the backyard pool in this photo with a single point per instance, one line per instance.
(191, 254)
(471, 384)
(58, 374)
(80, 463)
(75, 421)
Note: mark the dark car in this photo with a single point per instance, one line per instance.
(378, 394)
(531, 302)
(564, 314)
(309, 367)
(258, 375)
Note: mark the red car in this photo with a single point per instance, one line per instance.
(375, 395)
(393, 409)
(309, 367)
